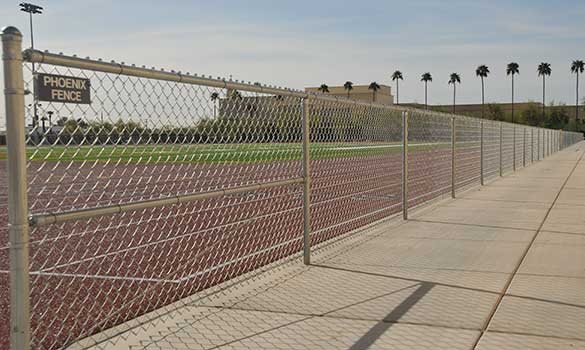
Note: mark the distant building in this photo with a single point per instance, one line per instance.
(361, 93)
(474, 110)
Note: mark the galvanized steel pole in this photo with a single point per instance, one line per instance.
(547, 142)
(524, 147)
(514, 148)
(307, 183)
(481, 152)
(453, 157)
(532, 145)
(501, 151)
(544, 143)
(18, 229)
(538, 144)
(405, 165)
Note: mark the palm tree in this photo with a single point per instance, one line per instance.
(374, 86)
(397, 75)
(482, 72)
(348, 86)
(512, 69)
(454, 79)
(577, 67)
(324, 88)
(214, 98)
(426, 77)
(543, 70)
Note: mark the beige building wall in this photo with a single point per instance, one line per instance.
(360, 92)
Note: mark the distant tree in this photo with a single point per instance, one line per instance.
(397, 75)
(495, 112)
(426, 77)
(558, 117)
(482, 72)
(62, 121)
(375, 87)
(348, 86)
(512, 69)
(235, 95)
(532, 116)
(577, 67)
(543, 70)
(214, 98)
(70, 126)
(324, 88)
(454, 79)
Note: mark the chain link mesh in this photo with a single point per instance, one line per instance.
(429, 156)
(145, 139)
(467, 152)
(356, 166)
(491, 149)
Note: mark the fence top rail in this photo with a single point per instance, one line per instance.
(38, 56)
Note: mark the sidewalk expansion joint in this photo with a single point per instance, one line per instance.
(523, 257)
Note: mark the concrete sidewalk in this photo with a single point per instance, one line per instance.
(500, 267)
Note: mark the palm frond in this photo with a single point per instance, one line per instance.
(397, 75)
(544, 69)
(578, 66)
(426, 77)
(512, 68)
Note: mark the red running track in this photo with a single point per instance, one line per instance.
(104, 271)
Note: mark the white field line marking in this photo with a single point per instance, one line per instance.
(398, 145)
(348, 148)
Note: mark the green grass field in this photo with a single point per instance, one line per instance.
(214, 153)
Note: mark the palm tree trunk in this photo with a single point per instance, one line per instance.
(482, 99)
(348, 94)
(397, 93)
(512, 98)
(426, 103)
(454, 88)
(543, 97)
(577, 102)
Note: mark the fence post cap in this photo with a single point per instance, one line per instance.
(11, 31)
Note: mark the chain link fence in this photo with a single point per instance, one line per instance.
(169, 185)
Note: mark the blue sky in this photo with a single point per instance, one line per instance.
(306, 43)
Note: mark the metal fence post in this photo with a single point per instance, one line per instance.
(501, 150)
(545, 143)
(453, 157)
(481, 151)
(548, 142)
(17, 186)
(538, 144)
(307, 183)
(548, 138)
(524, 147)
(531, 145)
(405, 165)
(514, 148)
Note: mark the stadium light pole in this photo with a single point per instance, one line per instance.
(32, 9)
